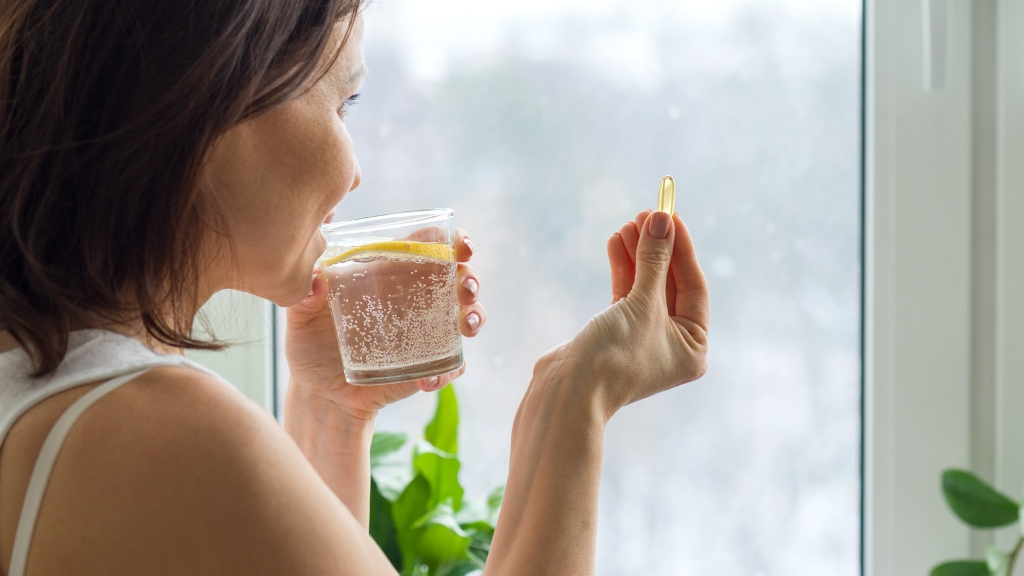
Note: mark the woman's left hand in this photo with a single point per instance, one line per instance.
(314, 360)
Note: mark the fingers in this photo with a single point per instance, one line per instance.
(630, 232)
(394, 392)
(428, 234)
(463, 246)
(642, 217)
(474, 316)
(468, 283)
(691, 298)
(435, 383)
(473, 319)
(630, 235)
(621, 265)
(653, 256)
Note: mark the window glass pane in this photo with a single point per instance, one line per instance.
(546, 125)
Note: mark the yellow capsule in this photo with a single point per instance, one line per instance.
(667, 195)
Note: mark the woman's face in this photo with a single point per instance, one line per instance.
(276, 179)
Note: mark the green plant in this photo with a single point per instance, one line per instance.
(417, 512)
(980, 505)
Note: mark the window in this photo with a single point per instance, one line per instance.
(547, 125)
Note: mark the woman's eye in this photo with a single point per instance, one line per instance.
(348, 104)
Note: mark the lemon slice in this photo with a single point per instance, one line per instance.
(431, 250)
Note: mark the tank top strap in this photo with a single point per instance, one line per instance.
(51, 449)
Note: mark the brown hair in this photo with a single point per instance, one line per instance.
(107, 108)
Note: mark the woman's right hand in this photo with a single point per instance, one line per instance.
(654, 336)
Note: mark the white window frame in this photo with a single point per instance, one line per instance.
(944, 270)
(247, 324)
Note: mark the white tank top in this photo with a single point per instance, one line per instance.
(93, 356)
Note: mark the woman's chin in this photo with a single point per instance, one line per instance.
(298, 282)
(295, 292)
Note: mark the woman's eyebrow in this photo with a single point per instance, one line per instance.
(357, 74)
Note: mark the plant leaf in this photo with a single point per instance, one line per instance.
(463, 568)
(977, 503)
(405, 511)
(441, 515)
(443, 430)
(419, 569)
(480, 547)
(441, 471)
(392, 479)
(494, 504)
(998, 561)
(384, 444)
(439, 538)
(473, 513)
(382, 526)
(437, 543)
(961, 568)
(478, 517)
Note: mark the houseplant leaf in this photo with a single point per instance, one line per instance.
(474, 515)
(480, 546)
(392, 479)
(417, 513)
(464, 568)
(494, 504)
(443, 430)
(391, 475)
(441, 515)
(975, 502)
(437, 544)
(439, 538)
(998, 561)
(382, 526)
(384, 444)
(961, 568)
(405, 511)
(441, 471)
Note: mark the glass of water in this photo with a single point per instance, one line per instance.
(392, 293)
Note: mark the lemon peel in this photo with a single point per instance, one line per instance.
(432, 250)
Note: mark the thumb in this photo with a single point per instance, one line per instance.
(653, 255)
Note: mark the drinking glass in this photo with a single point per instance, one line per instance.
(392, 294)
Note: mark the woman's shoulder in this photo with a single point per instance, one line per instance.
(175, 472)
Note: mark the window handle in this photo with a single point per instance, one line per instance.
(934, 25)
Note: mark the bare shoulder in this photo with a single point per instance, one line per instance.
(177, 473)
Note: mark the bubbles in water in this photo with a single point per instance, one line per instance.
(394, 310)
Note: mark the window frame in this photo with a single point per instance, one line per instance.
(944, 281)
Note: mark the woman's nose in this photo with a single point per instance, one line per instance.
(358, 178)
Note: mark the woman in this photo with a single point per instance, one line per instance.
(152, 154)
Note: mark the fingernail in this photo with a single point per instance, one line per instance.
(472, 286)
(312, 287)
(473, 319)
(659, 223)
(468, 243)
(432, 382)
